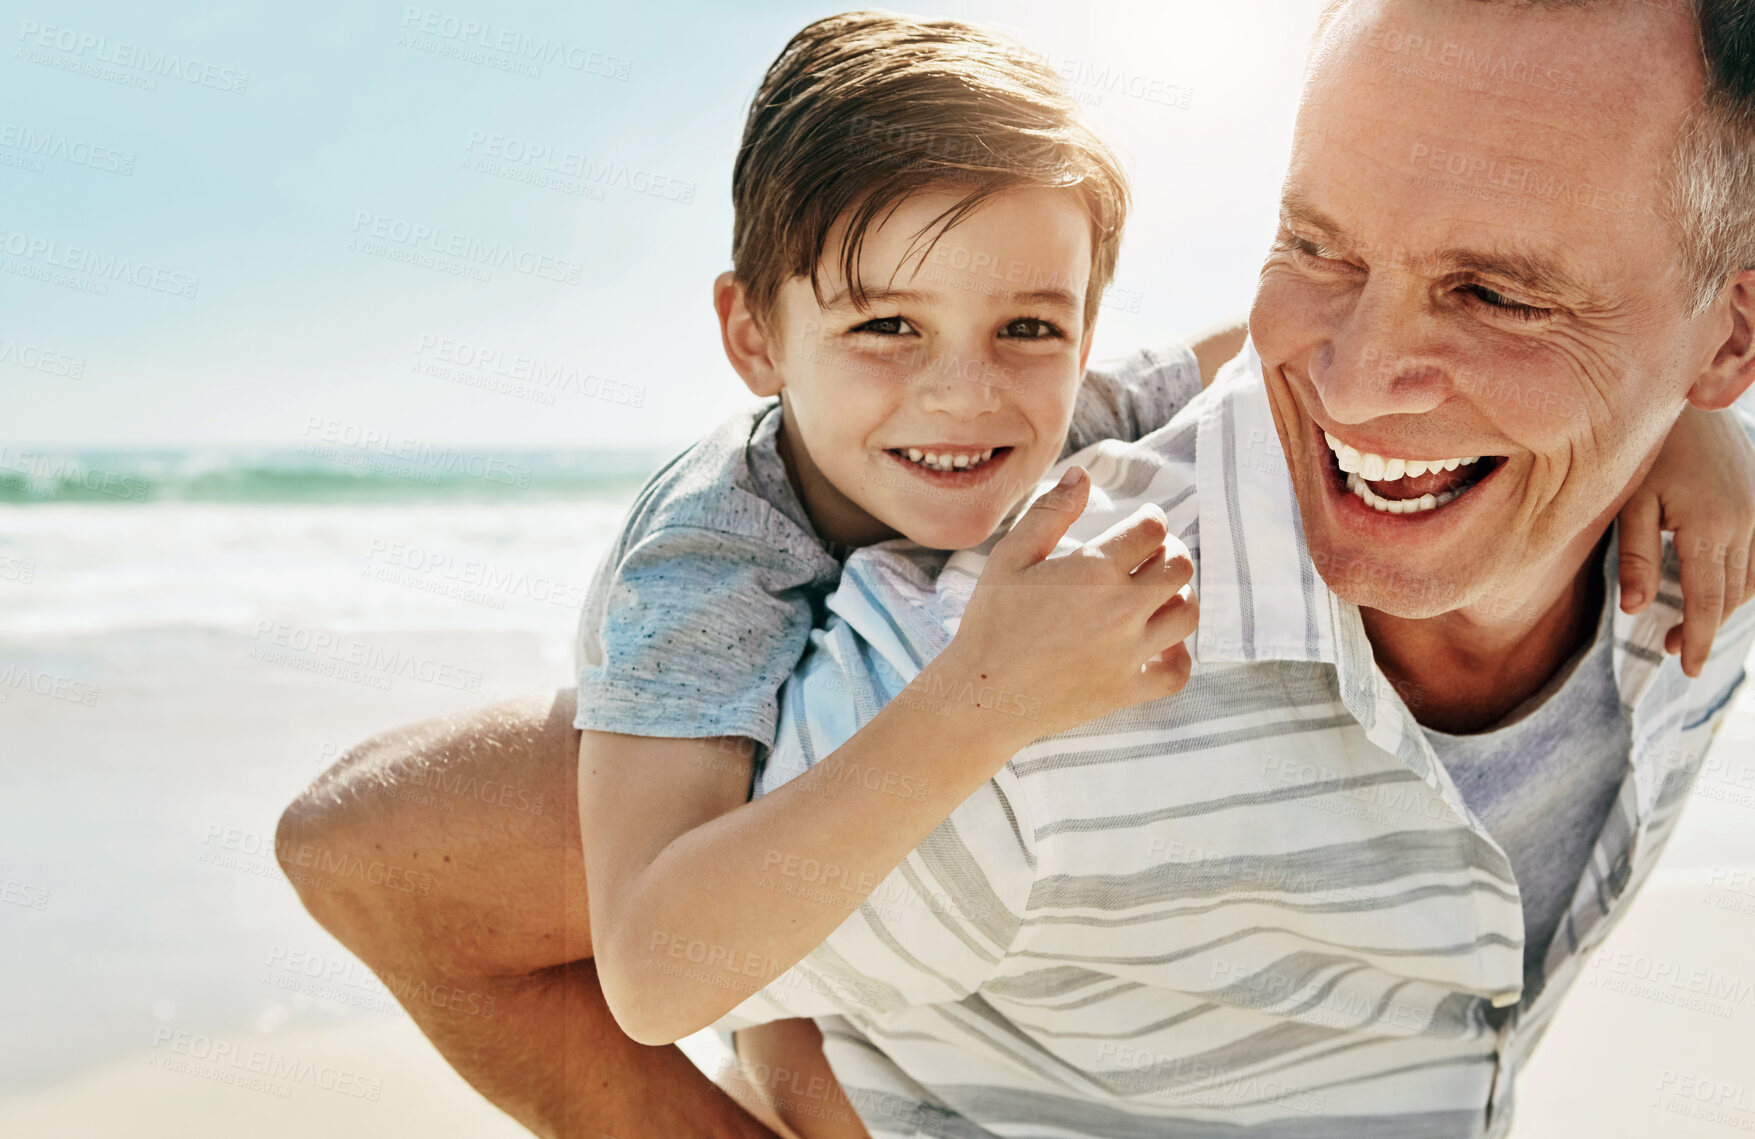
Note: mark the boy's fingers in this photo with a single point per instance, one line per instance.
(1703, 603)
(1737, 579)
(1166, 571)
(1034, 536)
(1131, 541)
(1642, 546)
(1167, 675)
(1174, 622)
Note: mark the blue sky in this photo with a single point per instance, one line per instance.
(225, 223)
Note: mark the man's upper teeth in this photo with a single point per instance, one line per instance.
(1376, 468)
(948, 461)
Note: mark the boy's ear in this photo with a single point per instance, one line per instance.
(1733, 367)
(747, 344)
(1085, 345)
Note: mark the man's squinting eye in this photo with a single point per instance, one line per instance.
(1313, 253)
(1501, 303)
(885, 326)
(1032, 328)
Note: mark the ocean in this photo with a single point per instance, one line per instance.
(98, 542)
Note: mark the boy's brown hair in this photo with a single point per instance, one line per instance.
(864, 109)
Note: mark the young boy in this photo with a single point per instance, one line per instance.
(924, 230)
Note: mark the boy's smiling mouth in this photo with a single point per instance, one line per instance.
(941, 462)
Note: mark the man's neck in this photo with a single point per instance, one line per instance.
(1463, 671)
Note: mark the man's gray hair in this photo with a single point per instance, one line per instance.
(1711, 199)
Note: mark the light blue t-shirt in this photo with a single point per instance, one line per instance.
(705, 603)
(1542, 781)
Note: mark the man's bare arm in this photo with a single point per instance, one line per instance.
(490, 949)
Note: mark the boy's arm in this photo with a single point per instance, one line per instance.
(1131, 397)
(1215, 347)
(1702, 487)
(672, 863)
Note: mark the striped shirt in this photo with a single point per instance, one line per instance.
(1257, 908)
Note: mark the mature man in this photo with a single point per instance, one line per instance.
(1341, 883)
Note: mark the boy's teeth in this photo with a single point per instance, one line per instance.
(932, 460)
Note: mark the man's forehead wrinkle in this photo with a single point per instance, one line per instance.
(1611, 108)
(1377, 116)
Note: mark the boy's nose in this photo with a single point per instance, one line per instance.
(964, 384)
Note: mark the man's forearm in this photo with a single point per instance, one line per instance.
(707, 887)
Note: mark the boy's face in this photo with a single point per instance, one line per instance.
(930, 413)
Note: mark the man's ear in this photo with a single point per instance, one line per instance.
(1733, 367)
(748, 345)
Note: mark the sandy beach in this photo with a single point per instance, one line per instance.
(168, 983)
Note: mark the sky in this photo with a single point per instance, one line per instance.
(242, 224)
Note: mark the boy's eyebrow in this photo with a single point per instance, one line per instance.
(1061, 298)
(1056, 297)
(843, 298)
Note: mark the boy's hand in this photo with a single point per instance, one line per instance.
(1702, 488)
(1076, 637)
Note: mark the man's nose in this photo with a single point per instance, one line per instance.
(1381, 357)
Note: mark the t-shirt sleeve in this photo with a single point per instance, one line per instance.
(1132, 397)
(695, 630)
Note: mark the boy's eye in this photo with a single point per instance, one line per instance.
(1032, 328)
(1499, 302)
(885, 326)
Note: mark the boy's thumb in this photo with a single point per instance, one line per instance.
(1041, 528)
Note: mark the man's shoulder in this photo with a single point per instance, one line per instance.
(1158, 468)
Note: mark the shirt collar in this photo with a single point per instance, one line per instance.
(1260, 595)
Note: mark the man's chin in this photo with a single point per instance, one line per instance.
(1371, 581)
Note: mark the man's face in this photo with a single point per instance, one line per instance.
(930, 412)
(1472, 270)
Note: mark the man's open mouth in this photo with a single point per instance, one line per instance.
(1408, 486)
